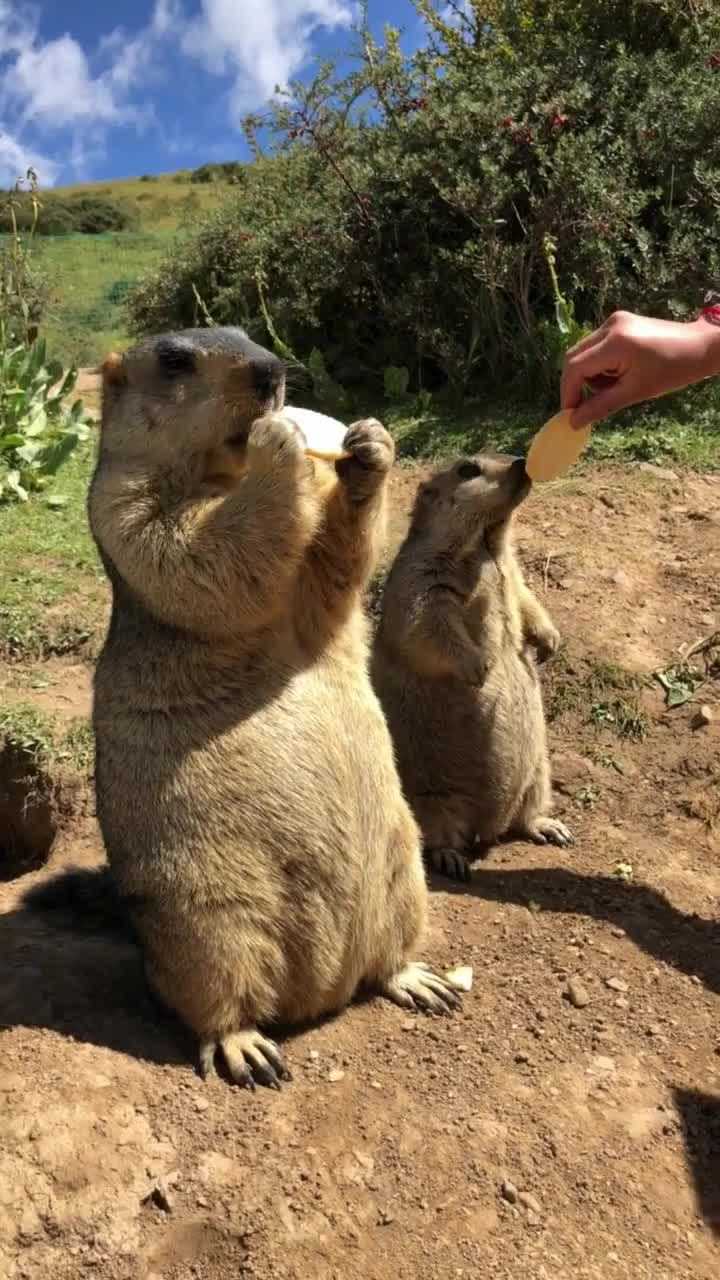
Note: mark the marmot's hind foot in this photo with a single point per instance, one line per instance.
(251, 1059)
(417, 987)
(451, 863)
(549, 831)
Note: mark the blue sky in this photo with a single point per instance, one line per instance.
(95, 90)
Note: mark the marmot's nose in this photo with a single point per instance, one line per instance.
(267, 376)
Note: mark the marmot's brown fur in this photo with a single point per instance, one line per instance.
(454, 670)
(246, 787)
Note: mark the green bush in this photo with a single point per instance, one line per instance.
(37, 431)
(230, 171)
(86, 214)
(405, 217)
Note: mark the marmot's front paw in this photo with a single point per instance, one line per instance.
(545, 642)
(372, 453)
(275, 441)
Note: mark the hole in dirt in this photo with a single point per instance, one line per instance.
(28, 812)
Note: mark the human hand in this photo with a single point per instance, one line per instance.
(632, 358)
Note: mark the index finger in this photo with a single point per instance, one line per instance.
(580, 368)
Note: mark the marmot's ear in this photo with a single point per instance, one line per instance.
(113, 369)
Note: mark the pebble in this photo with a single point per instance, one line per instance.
(703, 717)
(410, 1025)
(509, 1192)
(522, 1057)
(622, 1003)
(655, 1030)
(602, 1066)
(375, 1084)
(577, 993)
(336, 1075)
(313, 1055)
(660, 473)
(529, 1201)
(161, 1195)
(617, 984)
(385, 1218)
(201, 1104)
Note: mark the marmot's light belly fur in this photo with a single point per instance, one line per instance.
(454, 670)
(247, 791)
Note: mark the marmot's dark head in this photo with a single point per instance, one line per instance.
(196, 390)
(471, 501)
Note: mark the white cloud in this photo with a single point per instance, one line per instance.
(16, 159)
(56, 87)
(261, 43)
(52, 85)
(167, 17)
(49, 86)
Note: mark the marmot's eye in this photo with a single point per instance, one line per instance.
(174, 357)
(469, 471)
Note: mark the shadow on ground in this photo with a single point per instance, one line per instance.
(89, 987)
(700, 1117)
(689, 943)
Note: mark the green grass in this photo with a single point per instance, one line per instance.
(602, 693)
(160, 205)
(681, 431)
(53, 591)
(90, 277)
(47, 741)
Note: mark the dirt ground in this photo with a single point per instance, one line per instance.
(524, 1138)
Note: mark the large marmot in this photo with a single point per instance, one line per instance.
(454, 670)
(246, 786)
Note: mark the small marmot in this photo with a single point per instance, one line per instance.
(246, 787)
(454, 669)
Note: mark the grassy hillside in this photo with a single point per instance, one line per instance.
(89, 275)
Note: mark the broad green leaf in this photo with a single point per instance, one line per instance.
(37, 425)
(29, 452)
(53, 457)
(12, 480)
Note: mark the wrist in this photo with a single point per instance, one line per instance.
(707, 329)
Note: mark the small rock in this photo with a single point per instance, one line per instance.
(529, 1201)
(385, 1218)
(509, 1192)
(655, 1030)
(336, 1075)
(617, 932)
(660, 473)
(602, 1066)
(375, 1084)
(313, 1055)
(577, 993)
(621, 579)
(622, 1003)
(617, 984)
(161, 1195)
(704, 717)
(201, 1104)
(410, 1025)
(461, 978)
(522, 1058)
